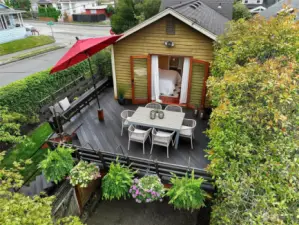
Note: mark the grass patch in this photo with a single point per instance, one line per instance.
(25, 43)
(29, 149)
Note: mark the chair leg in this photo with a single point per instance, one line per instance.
(143, 148)
(122, 129)
(167, 151)
(129, 145)
(152, 148)
(191, 142)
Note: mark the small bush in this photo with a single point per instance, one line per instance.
(186, 193)
(117, 182)
(147, 189)
(83, 173)
(58, 164)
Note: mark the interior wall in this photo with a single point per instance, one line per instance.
(163, 62)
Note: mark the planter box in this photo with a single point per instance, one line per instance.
(46, 19)
(84, 194)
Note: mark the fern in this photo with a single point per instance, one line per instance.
(117, 182)
(186, 193)
(57, 164)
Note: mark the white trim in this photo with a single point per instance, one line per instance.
(113, 71)
(176, 15)
(257, 9)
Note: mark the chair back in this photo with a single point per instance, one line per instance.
(126, 113)
(144, 134)
(189, 123)
(174, 108)
(153, 105)
(165, 138)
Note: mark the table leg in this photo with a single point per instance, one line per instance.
(177, 139)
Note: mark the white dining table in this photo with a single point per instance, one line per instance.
(172, 121)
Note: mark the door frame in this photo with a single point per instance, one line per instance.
(137, 101)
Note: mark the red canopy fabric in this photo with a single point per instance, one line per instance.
(83, 49)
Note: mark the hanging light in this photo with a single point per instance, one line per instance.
(219, 6)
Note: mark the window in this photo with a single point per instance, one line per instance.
(59, 6)
(170, 26)
(74, 10)
(93, 11)
(246, 1)
(258, 1)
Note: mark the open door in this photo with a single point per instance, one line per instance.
(197, 83)
(139, 79)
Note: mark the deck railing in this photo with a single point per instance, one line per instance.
(144, 166)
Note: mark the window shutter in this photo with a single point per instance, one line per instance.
(170, 26)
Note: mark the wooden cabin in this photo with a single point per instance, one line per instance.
(167, 57)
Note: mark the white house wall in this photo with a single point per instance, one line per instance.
(12, 34)
(75, 8)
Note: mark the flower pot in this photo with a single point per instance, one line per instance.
(121, 101)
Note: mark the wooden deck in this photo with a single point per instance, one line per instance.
(106, 135)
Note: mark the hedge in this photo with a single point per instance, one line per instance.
(22, 96)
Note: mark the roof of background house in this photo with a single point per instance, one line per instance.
(264, 3)
(203, 15)
(225, 10)
(274, 9)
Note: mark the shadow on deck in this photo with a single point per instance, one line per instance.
(106, 135)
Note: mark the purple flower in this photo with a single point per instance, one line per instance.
(161, 200)
(130, 190)
(134, 187)
(148, 200)
(138, 201)
(158, 194)
(153, 192)
(137, 192)
(136, 181)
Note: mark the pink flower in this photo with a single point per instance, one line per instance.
(137, 192)
(134, 187)
(130, 190)
(134, 196)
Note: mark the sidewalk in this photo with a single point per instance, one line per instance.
(16, 56)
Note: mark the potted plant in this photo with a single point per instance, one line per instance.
(84, 173)
(195, 112)
(117, 182)
(186, 193)
(147, 189)
(57, 164)
(121, 95)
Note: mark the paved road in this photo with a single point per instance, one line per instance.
(18, 70)
(64, 34)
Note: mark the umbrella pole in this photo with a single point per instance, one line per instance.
(100, 111)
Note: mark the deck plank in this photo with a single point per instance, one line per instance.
(106, 135)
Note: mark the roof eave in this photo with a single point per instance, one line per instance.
(175, 14)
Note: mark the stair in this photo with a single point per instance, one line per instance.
(37, 186)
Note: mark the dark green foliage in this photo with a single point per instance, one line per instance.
(186, 193)
(116, 183)
(110, 9)
(57, 164)
(22, 96)
(49, 12)
(240, 11)
(129, 13)
(21, 4)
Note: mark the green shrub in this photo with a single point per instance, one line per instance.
(117, 182)
(186, 193)
(83, 173)
(37, 86)
(58, 164)
(49, 12)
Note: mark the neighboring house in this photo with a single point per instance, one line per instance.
(167, 57)
(293, 6)
(100, 10)
(68, 6)
(11, 24)
(257, 6)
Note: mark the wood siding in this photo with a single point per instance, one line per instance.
(140, 79)
(150, 40)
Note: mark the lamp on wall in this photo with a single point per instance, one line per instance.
(169, 44)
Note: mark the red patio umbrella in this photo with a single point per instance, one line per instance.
(82, 50)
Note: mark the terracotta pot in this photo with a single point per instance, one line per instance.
(100, 114)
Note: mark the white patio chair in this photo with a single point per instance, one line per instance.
(153, 105)
(125, 115)
(138, 135)
(162, 138)
(187, 129)
(174, 108)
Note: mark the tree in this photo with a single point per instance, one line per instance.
(240, 11)
(254, 128)
(21, 4)
(18, 209)
(129, 13)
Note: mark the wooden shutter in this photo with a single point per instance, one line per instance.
(139, 79)
(198, 88)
